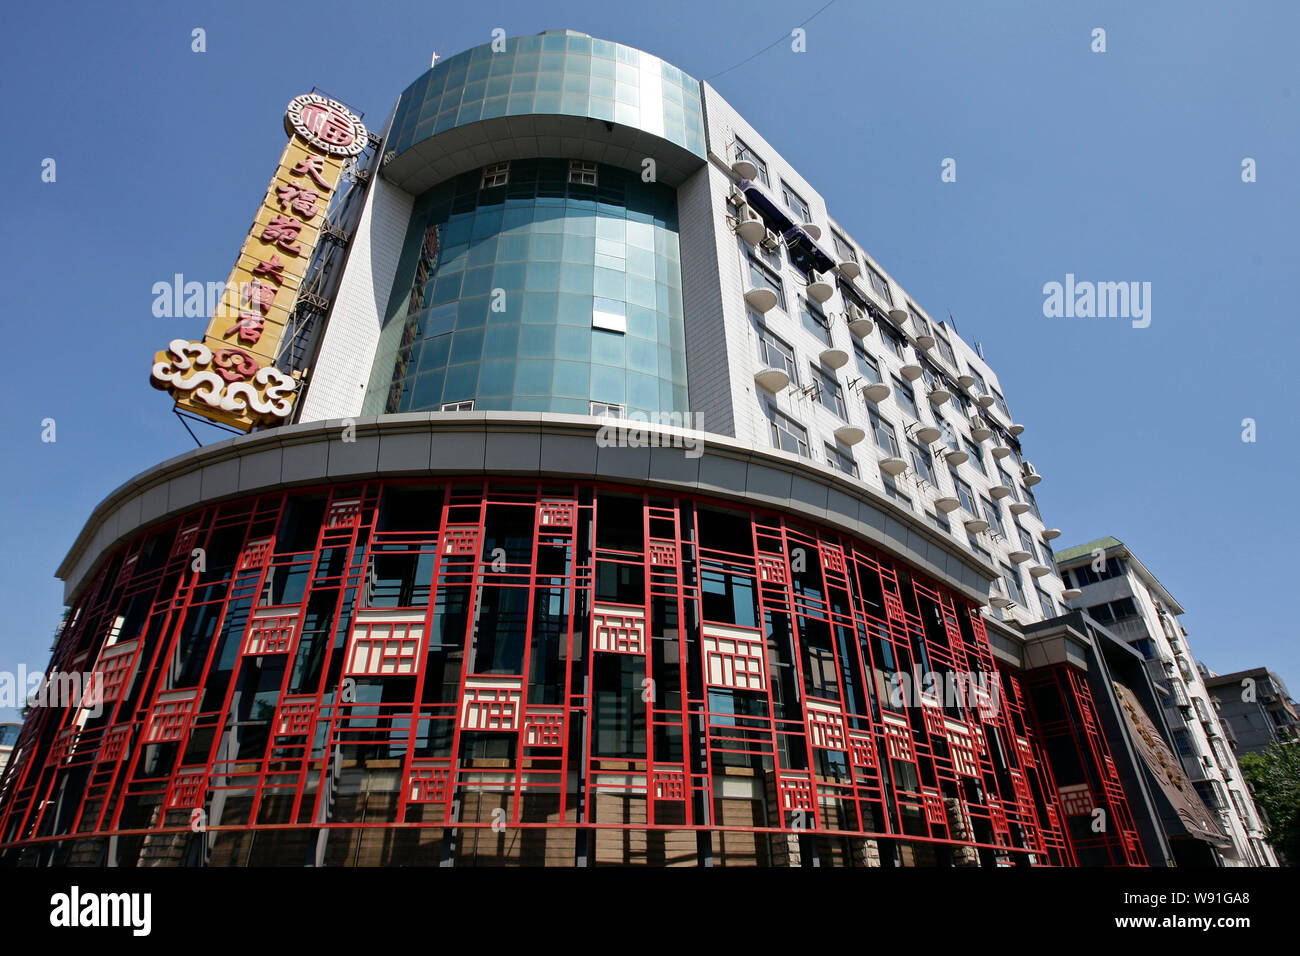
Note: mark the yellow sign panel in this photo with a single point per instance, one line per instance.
(231, 376)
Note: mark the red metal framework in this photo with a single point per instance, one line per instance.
(611, 675)
(1100, 823)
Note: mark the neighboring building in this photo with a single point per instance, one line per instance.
(8, 737)
(1254, 707)
(1172, 823)
(627, 507)
(1114, 588)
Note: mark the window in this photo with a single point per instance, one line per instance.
(895, 341)
(787, 434)
(843, 248)
(939, 520)
(921, 326)
(1112, 611)
(993, 516)
(964, 494)
(795, 203)
(582, 173)
(1001, 403)
(606, 410)
(1114, 568)
(828, 392)
(1124, 607)
(498, 174)
(867, 365)
(815, 321)
(760, 276)
(1240, 804)
(1005, 479)
(905, 397)
(880, 285)
(747, 154)
(1012, 580)
(1026, 541)
(1033, 504)
(923, 462)
(1212, 793)
(842, 460)
(609, 315)
(975, 546)
(774, 353)
(1221, 752)
(1183, 741)
(979, 381)
(465, 406)
(1046, 603)
(945, 349)
(886, 439)
(976, 455)
(891, 489)
(946, 433)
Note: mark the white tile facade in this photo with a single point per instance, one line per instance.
(723, 356)
(337, 385)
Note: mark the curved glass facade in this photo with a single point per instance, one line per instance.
(539, 294)
(615, 675)
(561, 73)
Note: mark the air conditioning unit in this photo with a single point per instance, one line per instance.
(749, 224)
(979, 429)
(1031, 475)
(737, 197)
(771, 241)
(818, 288)
(860, 323)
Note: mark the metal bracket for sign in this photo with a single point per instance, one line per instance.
(206, 421)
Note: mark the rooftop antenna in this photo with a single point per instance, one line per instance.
(434, 60)
(952, 323)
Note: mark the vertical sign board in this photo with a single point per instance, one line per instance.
(230, 377)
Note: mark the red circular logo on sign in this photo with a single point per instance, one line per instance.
(329, 126)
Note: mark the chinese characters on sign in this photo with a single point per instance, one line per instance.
(230, 376)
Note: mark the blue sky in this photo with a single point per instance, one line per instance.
(1122, 166)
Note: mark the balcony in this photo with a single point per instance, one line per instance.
(1156, 670)
(875, 392)
(1129, 629)
(1179, 693)
(761, 298)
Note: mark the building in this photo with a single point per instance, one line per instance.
(1170, 821)
(8, 735)
(1254, 707)
(609, 504)
(1117, 591)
